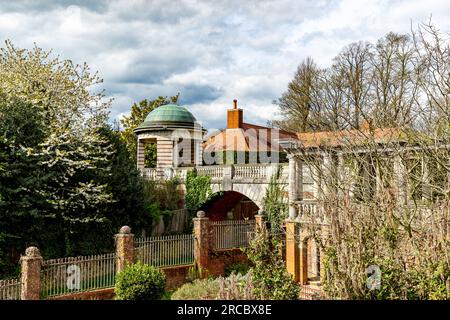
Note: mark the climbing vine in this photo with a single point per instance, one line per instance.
(198, 191)
(275, 201)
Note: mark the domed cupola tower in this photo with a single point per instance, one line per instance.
(178, 137)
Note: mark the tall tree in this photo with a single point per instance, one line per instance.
(393, 89)
(353, 65)
(50, 127)
(299, 104)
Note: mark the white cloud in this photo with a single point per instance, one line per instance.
(210, 52)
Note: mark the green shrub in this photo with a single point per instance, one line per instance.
(199, 289)
(270, 278)
(140, 282)
(237, 268)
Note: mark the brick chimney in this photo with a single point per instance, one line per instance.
(235, 117)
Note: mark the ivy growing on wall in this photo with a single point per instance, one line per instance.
(198, 191)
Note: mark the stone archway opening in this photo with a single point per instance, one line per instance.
(230, 205)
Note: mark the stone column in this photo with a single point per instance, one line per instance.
(198, 153)
(140, 155)
(327, 173)
(341, 175)
(31, 274)
(228, 174)
(292, 249)
(299, 179)
(292, 187)
(201, 240)
(124, 248)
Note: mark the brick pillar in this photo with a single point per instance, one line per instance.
(31, 274)
(124, 248)
(201, 240)
(292, 249)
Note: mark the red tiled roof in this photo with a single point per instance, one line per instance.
(249, 138)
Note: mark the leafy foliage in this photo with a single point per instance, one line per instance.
(237, 268)
(67, 181)
(162, 196)
(275, 282)
(140, 282)
(199, 289)
(198, 191)
(275, 201)
(232, 287)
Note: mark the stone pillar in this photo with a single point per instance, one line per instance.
(31, 274)
(299, 179)
(292, 249)
(124, 248)
(228, 174)
(201, 240)
(198, 157)
(140, 155)
(327, 174)
(292, 187)
(341, 175)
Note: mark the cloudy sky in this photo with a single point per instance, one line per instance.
(209, 51)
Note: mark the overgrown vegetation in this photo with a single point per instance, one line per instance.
(231, 287)
(384, 192)
(140, 282)
(67, 181)
(247, 281)
(199, 289)
(198, 191)
(162, 197)
(274, 282)
(237, 268)
(275, 202)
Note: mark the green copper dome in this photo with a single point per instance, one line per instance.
(168, 116)
(170, 113)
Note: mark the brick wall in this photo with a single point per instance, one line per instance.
(220, 260)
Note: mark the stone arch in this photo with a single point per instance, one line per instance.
(253, 191)
(230, 205)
